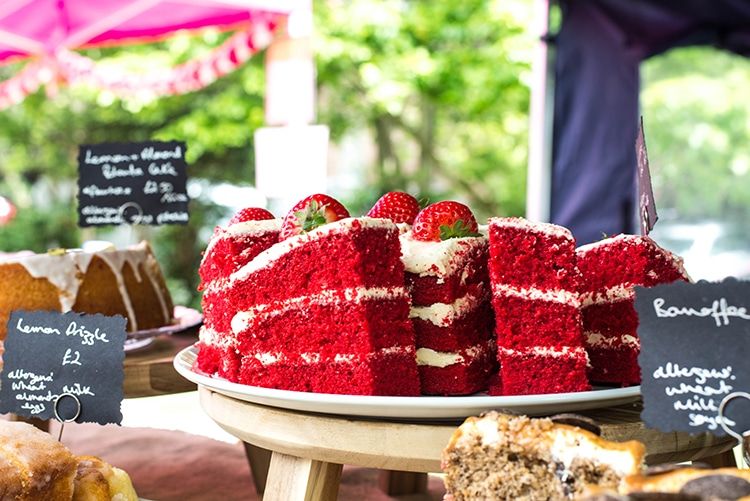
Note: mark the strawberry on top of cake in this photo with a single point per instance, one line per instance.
(611, 268)
(535, 283)
(249, 232)
(446, 272)
(324, 309)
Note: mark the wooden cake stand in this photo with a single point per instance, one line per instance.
(308, 450)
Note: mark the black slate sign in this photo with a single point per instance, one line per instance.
(695, 350)
(48, 354)
(132, 183)
(646, 204)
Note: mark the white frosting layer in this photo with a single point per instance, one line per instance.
(244, 229)
(565, 351)
(596, 340)
(519, 222)
(557, 296)
(443, 314)
(440, 259)
(211, 337)
(609, 295)
(66, 272)
(569, 445)
(270, 358)
(427, 356)
(243, 319)
(273, 253)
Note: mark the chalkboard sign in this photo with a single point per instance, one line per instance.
(695, 350)
(647, 205)
(48, 354)
(132, 183)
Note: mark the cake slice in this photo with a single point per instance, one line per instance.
(496, 456)
(323, 310)
(446, 273)
(611, 268)
(250, 231)
(538, 324)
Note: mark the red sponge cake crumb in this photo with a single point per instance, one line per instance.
(538, 324)
(611, 268)
(325, 310)
(452, 317)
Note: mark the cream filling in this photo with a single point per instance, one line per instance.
(440, 259)
(244, 319)
(567, 446)
(276, 251)
(211, 337)
(271, 358)
(596, 340)
(519, 222)
(608, 295)
(532, 293)
(432, 358)
(444, 314)
(565, 351)
(247, 228)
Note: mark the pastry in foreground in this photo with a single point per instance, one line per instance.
(498, 457)
(34, 467)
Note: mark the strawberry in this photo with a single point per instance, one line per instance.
(397, 206)
(311, 212)
(250, 214)
(444, 220)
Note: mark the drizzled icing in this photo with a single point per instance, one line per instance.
(66, 272)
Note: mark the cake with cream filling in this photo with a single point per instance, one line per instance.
(611, 268)
(323, 310)
(496, 456)
(249, 232)
(535, 283)
(446, 275)
(125, 282)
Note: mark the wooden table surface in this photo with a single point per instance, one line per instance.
(149, 372)
(309, 449)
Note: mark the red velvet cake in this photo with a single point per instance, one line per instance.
(610, 269)
(323, 310)
(228, 250)
(535, 285)
(451, 313)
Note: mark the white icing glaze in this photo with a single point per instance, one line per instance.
(66, 272)
(568, 445)
(243, 319)
(270, 358)
(596, 339)
(440, 259)
(244, 229)
(267, 257)
(519, 222)
(443, 314)
(532, 293)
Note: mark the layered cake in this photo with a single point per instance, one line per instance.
(535, 284)
(249, 232)
(323, 310)
(125, 282)
(446, 274)
(611, 268)
(497, 456)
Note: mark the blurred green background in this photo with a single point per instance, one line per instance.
(440, 90)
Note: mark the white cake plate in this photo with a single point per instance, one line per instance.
(407, 408)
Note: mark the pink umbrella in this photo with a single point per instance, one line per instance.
(41, 27)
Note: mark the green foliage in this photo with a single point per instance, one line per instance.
(697, 124)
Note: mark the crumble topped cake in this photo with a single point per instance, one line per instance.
(323, 310)
(535, 284)
(451, 312)
(502, 457)
(611, 268)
